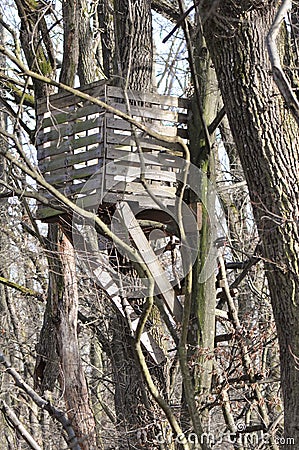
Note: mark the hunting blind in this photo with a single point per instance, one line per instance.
(94, 157)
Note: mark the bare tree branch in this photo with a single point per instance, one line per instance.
(22, 289)
(13, 420)
(54, 412)
(279, 76)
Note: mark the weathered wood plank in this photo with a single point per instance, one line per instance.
(130, 173)
(64, 98)
(167, 100)
(69, 129)
(149, 257)
(150, 113)
(69, 145)
(71, 115)
(145, 141)
(69, 159)
(68, 175)
(150, 146)
(114, 126)
(111, 184)
(91, 202)
(157, 158)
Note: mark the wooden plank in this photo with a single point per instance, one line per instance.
(169, 130)
(157, 159)
(80, 187)
(69, 159)
(113, 91)
(136, 187)
(130, 174)
(149, 257)
(145, 141)
(148, 113)
(120, 126)
(59, 100)
(68, 175)
(69, 145)
(71, 115)
(145, 201)
(69, 129)
(151, 145)
(106, 277)
(130, 167)
(91, 202)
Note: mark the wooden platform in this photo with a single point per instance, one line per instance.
(91, 155)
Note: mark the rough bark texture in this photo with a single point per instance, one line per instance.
(58, 348)
(36, 43)
(106, 50)
(87, 67)
(73, 380)
(71, 21)
(46, 370)
(267, 140)
(134, 47)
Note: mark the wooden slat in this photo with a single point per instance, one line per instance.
(157, 159)
(146, 142)
(136, 187)
(71, 115)
(113, 91)
(91, 202)
(130, 169)
(149, 113)
(64, 98)
(150, 146)
(149, 257)
(69, 159)
(68, 175)
(119, 126)
(69, 145)
(69, 129)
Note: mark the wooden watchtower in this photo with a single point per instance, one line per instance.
(98, 160)
(90, 154)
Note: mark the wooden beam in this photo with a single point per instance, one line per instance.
(149, 257)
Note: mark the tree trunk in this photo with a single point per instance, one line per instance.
(73, 379)
(202, 333)
(71, 21)
(134, 44)
(58, 349)
(267, 140)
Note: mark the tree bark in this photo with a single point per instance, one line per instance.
(73, 380)
(267, 140)
(71, 21)
(134, 45)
